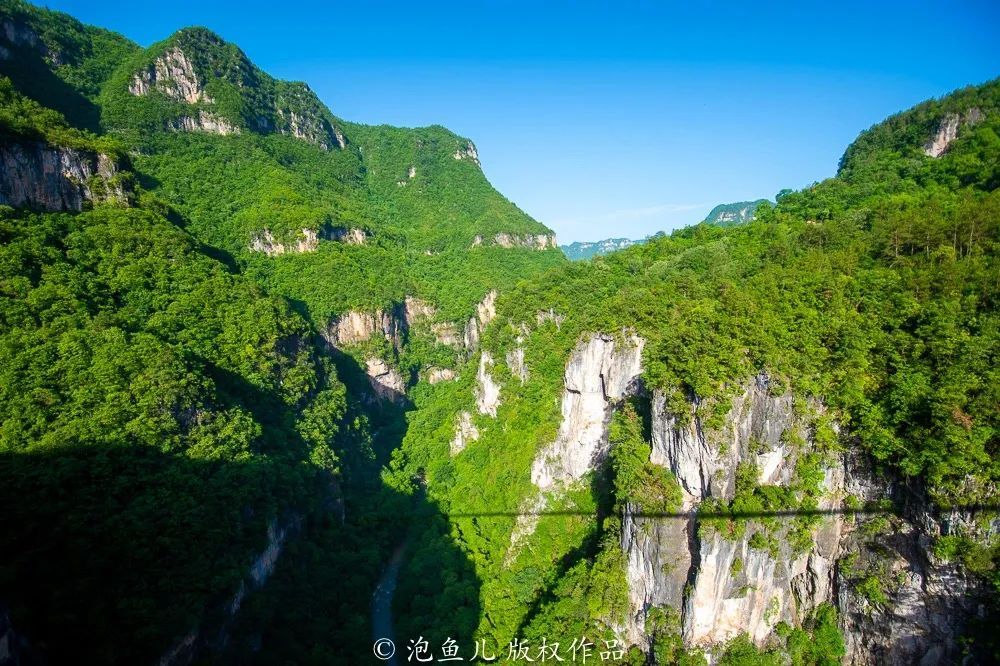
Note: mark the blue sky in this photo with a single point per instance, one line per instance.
(616, 118)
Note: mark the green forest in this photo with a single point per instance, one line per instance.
(200, 465)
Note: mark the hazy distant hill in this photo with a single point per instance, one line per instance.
(581, 250)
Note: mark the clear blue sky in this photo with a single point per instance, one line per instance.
(615, 118)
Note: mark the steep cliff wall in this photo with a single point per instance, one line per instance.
(730, 572)
(52, 178)
(601, 371)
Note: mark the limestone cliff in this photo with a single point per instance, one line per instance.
(52, 178)
(726, 582)
(947, 131)
(601, 371)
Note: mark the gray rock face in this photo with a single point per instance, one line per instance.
(928, 601)
(658, 559)
(40, 176)
(948, 131)
(515, 362)
(600, 372)
(549, 315)
(354, 327)
(437, 375)
(446, 333)
(172, 74)
(264, 241)
(467, 151)
(415, 309)
(465, 432)
(214, 639)
(532, 241)
(350, 236)
(204, 121)
(487, 390)
(486, 310)
(705, 465)
(385, 380)
(11, 647)
(733, 587)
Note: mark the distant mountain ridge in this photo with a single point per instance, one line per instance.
(581, 250)
(723, 215)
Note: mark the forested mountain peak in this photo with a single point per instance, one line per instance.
(254, 357)
(928, 140)
(196, 81)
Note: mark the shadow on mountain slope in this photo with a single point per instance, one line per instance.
(126, 554)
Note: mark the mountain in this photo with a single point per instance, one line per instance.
(727, 215)
(578, 251)
(261, 366)
(245, 292)
(723, 215)
(773, 442)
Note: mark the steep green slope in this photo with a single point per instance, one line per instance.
(58, 61)
(873, 294)
(173, 417)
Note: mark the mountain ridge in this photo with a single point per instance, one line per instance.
(244, 362)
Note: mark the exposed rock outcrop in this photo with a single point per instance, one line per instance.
(350, 236)
(947, 131)
(927, 601)
(13, 648)
(515, 362)
(215, 638)
(354, 327)
(535, 241)
(204, 121)
(549, 315)
(600, 372)
(746, 581)
(733, 583)
(172, 74)
(386, 381)
(487, 390)
(486, 310)
(40, 176)
(415, 309)
(465, 432)
(512, 240)
(467, 151)
(446, 333)
(264, 241)
(437, 375)
(705, 464)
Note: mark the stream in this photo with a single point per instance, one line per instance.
(382, 600)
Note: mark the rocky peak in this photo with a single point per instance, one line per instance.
(196, 61)
(172, 74)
